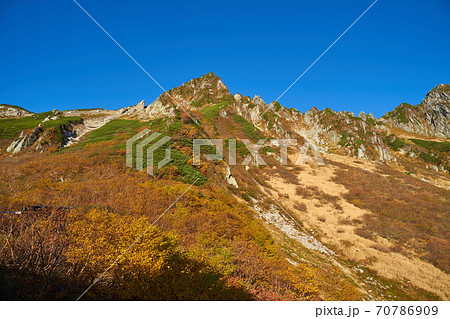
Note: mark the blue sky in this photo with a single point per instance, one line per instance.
(54, 56)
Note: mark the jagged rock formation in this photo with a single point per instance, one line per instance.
(24, 141)
(197, 93)
(430, 118)
(132, 110)
(40, 139)
(325, 130)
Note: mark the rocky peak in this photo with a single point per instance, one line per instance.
(199, 92)
(194, 94)
(439, 95)
(257, 100)
(438, 101)
(140, 106)
(132, 110)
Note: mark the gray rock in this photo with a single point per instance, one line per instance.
(362, 151)
(430, 118)
(230, 179)
(24, 141)
(362, 115)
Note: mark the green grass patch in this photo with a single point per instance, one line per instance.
(396, 143)
(329, 111)
(431, 145)
(212, 112)
(277, 106)
(109, 132)
(175, 126)
(60, 124)
(343, 140)
(112, 129)
(270, 118)
(430, 158)
(249, 129)
(10, 128)
(266, 149)
(187, 172)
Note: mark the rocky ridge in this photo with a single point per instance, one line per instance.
(430, 118)
(362, 136)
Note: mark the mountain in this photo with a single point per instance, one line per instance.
(372, 223)
(7, 110)
(430, 118)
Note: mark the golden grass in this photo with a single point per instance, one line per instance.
(388, 257)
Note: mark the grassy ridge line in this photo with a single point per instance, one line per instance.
(10, 128)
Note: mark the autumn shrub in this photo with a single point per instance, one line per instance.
(313, 192)
(406, 210)
(63, 253)
(211, 242)
(287, 175)
(300, 206)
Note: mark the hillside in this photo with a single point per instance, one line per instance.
(372, 223)
(7, 110)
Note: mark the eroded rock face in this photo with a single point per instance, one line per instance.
(137, 109)
(230, 179)
(24, 141)
(159, 110)
(437, 110)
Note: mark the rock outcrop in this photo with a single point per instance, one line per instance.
(13, 111)
(429, 118)
(24, 141)
(437, 110)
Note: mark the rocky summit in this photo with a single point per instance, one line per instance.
(321, 205)
(430, 118)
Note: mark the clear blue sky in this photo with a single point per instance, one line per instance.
(54, 56)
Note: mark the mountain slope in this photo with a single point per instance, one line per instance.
(264, 232)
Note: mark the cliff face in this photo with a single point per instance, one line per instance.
(436, 107)
(430, 118)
